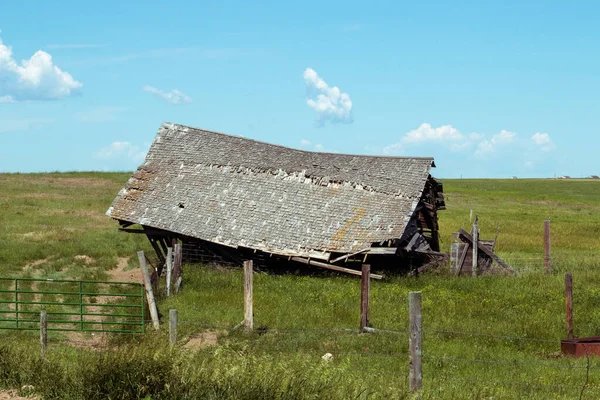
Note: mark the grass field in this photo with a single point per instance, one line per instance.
(50, 220)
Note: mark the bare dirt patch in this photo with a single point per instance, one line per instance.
(37, 263)
(52, 233)
(37, 235)
(87, 260)
(80, 340)
(204, 339)
(120, 274)
(13, 395)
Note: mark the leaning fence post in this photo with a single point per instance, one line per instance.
(173, 326)
(475, 247)
(169, 269)
(43, 331)
(365, 288)
(547, 260)
(149, 293)
(569, 304)
(415, 375)
(248, 314)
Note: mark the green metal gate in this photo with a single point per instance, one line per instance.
(90, 306)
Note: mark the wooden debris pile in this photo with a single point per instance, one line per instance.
(473, 256)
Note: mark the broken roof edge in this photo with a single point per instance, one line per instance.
(171, 126)
(304, 252)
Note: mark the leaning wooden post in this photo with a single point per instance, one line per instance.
(173, 326)
(248, 314)
(177, 266)
(43, 331)
(547, 265)
(475, 247)
(169, 269)
(149, 293)
(365, 288)
(415, 375)
(569, 304)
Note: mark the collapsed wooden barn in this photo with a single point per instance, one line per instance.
(234, 198)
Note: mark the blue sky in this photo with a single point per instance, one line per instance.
(490, 89)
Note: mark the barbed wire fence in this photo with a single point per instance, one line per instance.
(406, 361)
(409, 365)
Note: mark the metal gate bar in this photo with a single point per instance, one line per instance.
(22, 316)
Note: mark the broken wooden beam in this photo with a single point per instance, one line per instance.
(382, 250)
(475, 259)
(432, 253)
(333, 267)
(413, 241)
(463, 256)
(346, 256)
(468, 238)
(130, 230)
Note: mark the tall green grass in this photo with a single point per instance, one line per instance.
(488, 337)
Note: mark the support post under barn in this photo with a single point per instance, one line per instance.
(365, 289)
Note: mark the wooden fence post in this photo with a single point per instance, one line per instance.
(475, 247)
(173, 326)
(547, 264)
(177, 267)
(365, 289)
(569, 304)
(43, 331)
(169, 269)
(149, 293)
(248, 314)
(415, 375)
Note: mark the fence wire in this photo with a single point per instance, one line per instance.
(516, 383)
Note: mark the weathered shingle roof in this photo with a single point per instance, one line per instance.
(240, 192)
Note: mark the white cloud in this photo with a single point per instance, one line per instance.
(174, 96)
(34, 79)
(543, 141)
(503, 137)
(425, 133)
(310, 146)
(487, 147)
(6, 99)
(540, 138)
(123, 151)
(395, 148)
(331, 103)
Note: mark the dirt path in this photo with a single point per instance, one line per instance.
(120, 274)
(12, 395)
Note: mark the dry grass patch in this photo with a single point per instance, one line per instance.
(122, 274)
(87, 260)
(14, 395)
(204, 339)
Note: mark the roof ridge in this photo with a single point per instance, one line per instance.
(170, 125)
